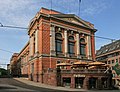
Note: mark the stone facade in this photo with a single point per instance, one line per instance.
(56, 38)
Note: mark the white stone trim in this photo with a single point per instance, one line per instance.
(36, 41)
(78, 44)
(66, 42)
(52, 40)
(89, 46)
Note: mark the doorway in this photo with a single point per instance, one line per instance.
(79, 82)
(93, 83)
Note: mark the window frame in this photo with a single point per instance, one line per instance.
(58, 42)
(71, 45)
(82, 47)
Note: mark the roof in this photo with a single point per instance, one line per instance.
(109, 48)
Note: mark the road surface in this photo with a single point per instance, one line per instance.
(11, 85)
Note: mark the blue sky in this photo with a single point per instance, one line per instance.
(104, 14)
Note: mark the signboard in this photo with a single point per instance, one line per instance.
(79, 75)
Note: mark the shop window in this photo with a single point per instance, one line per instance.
(66, 82)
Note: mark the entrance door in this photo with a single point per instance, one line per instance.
(104, 83)
(66, 82)
(79, 82)
(92, 83)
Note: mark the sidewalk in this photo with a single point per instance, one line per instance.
(37, 84)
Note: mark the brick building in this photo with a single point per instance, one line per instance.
(61, 52)
(13, 64)
(110, 54)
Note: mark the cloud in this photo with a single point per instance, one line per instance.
(93, 7)
(19, 12)
(16, 12)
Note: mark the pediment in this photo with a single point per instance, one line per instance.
(74, 19)
(79, 22)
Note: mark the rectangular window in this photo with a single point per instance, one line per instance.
(32, 67)
(71, 48)
(113, 62)
(108, 62)
(58, 62)
(82, 49)
(58, 46)
(116, 60)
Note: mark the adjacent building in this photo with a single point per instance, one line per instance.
(13, 63)
(110, 54)
(61, 52)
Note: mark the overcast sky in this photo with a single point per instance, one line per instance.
(104, 14)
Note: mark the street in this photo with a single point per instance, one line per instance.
(11, 85)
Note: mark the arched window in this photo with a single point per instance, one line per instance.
(82, 47)
(71, 45)
(58, 41)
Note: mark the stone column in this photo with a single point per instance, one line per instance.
(78, 45)
(72, 82)
(52, 41)
(86, 83)
(36, 41)
(89, 47)
(31, 46)
(66, 43)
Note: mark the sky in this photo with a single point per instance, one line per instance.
(104, 14)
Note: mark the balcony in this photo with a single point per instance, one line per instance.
(84, 71)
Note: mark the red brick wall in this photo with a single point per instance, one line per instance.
(45, 38)
(50, 78)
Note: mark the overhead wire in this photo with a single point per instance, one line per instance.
(46, 30)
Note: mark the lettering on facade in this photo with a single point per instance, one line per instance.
(79, 75)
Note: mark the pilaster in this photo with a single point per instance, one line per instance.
(36, 41)
(78, 45)
(86, 83)
(52, 41)
(66, 43)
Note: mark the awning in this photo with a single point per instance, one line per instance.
(64, 64)
(80, 63)
(96, 63)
